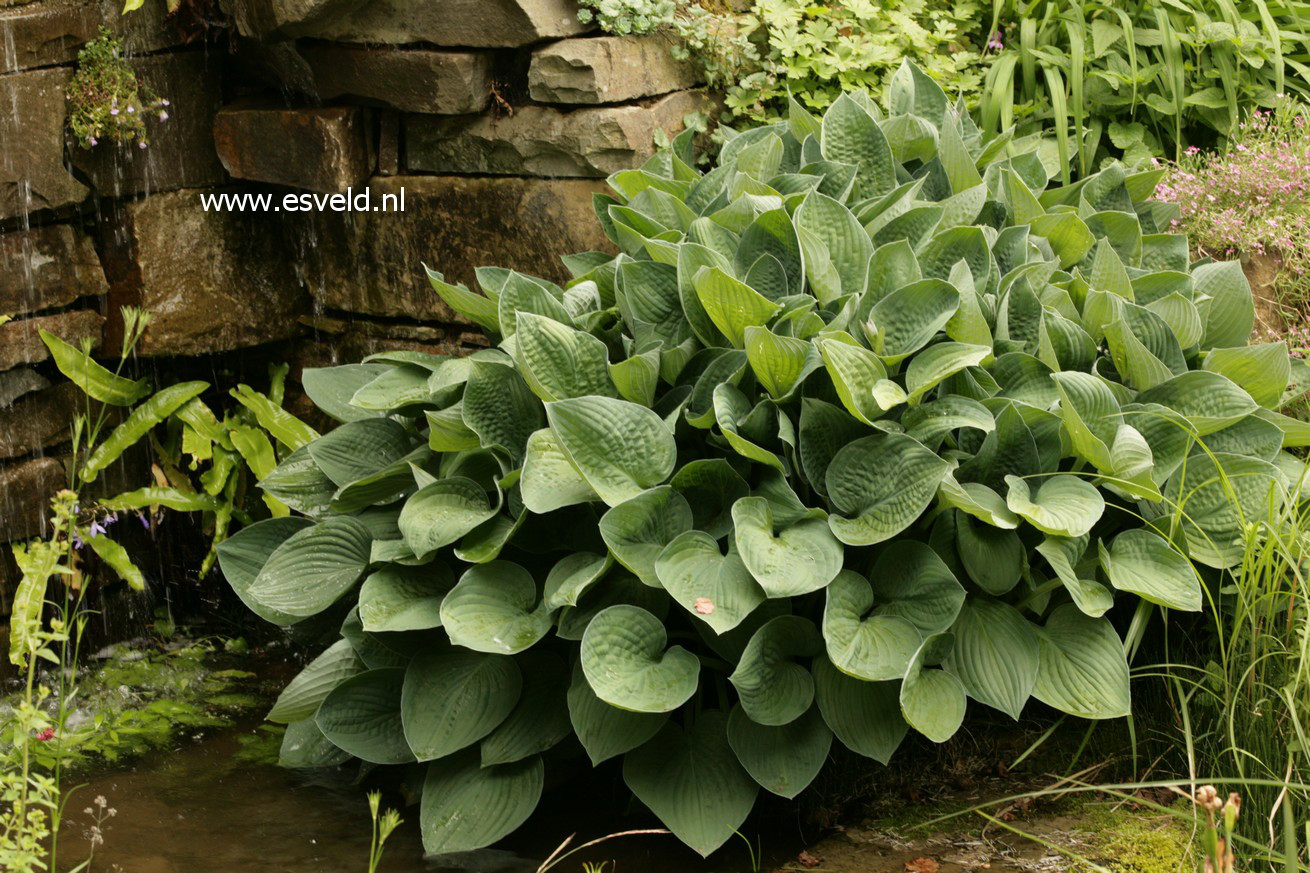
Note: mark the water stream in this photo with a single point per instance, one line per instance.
(204, 806)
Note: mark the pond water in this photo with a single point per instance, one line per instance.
(206, 806)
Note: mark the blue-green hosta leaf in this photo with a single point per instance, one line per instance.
(331, 388)
(1069, 236)
(637, 378)
(932, 700)
(1133, 359)
(710, 487)
(783, 759)
(979, 501)
(824, 429)
(638, 529)
(540, 719)
(571, 577)
(620, 448)
(801, 558)
(443, 512)
(1263, 371)
(854, 371)
(745, 428)
(1223, 298)
(300, 484)
(771, 233)
(691, 258)
(1144, 563)
(396, 598)
(715, 588)
(905, 320)
(929, 368)
(558, 361)
(303, 694)
(1064, 554)
(522, 294)
(1219, 496)
(243, 555)
(504, 795)
(606, 731)
(1061, 505)
(772, 687)
(995, 655)
(500, 408)
(732, 305)
(881, 484)
(914, 92)
(779, 362)
(1209, 401)
(872, 647)
(361, 716)
(549, 480)
(303, 745)
(911, 582)
(865, 716)
(1182, 316)
(844, 237)
(492, 609)
(851, 136)
(627, 665)
(1082, 670)
(692, 781)
(992, 557)
(1091, 416)
(453, 698)
(929, 422)
(313, 568)
(473, 306)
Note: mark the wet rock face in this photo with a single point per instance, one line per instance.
(606, 69)
(20, 341)
(543, 141)
(32, 173)
(47, 267)
(44, 34)
(181, 152)
(412, 80)
(212, 281)
(326, 149)
(38, 421)
(453, 224)
(25, 492)
(465, 23)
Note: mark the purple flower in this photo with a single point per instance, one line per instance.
(163, 116)
(145, 521)
(142, 144)
(96, 529)
(131, 110)
(995, 43)
(114, 111)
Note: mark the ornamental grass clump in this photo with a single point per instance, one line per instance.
(862, 424)
(1251, 199)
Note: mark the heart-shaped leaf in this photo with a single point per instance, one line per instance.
(627, 665)
(452, 699)
(1146, 564)
(932, 700)
(783, 759)
(1083, 670)
(772, 687)
(716, 588)
(397, 598)
(872, 647)
(995, 656)
(606, 731)
(313, 568)
(443, 512)
(638, 529)
(361, 716)
(620, 448)
(503, 794)
(492, 610)
(801, 558)
(1062, 505)
(911, 582)
(865, 716)
(882, 484)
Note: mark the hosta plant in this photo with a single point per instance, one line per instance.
(863, 423)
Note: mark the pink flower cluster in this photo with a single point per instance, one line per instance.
(1251, 199)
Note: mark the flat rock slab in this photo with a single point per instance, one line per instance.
(452, 224)
(19, 382)
(45, 34)
(181, 152)
(543, 141)
(606, 69)
(20, 341)
(213, 281)
(25, 492)
(32, 172)
(318, 149)
(47, 267)
(462, 23)
(39, 420)
(411, 80)
(263, 18)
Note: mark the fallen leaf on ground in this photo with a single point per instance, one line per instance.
(922, 865)
(807, 860)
